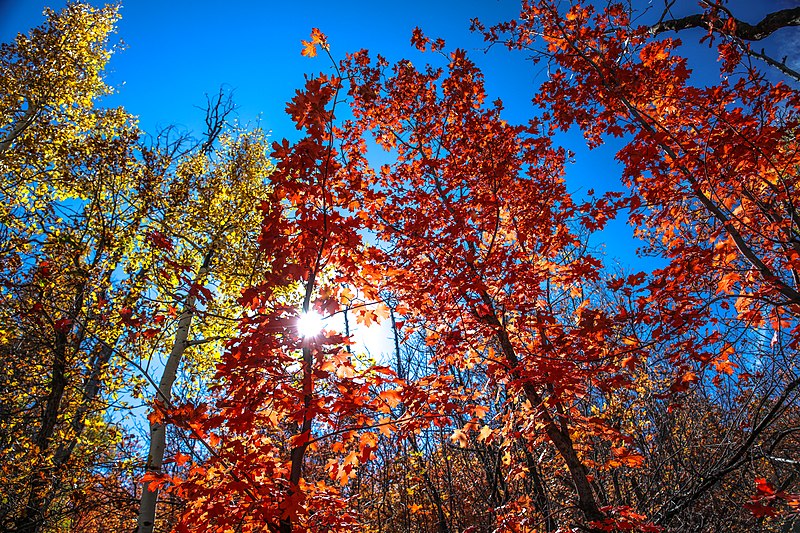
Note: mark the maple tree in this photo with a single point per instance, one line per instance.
(276, 385)
(712, 182)
(530, 387)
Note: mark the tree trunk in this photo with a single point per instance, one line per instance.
(91, 388)
(33, 516)
(18, 128)
(158, 431)
(41, 483)
(560, 437)
(299, 451)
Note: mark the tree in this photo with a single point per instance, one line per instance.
(488, 244)
(276, 388)
(112, 246)
(712, 184)
(531, 387)
(205, 249)
(71, 205)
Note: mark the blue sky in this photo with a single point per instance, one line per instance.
(178, 50)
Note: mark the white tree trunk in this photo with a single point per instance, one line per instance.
(158, 431)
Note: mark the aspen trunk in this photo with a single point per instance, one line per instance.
(19, 127)
(91, 390)
(33, 516)
(40, 483)
(158, 431)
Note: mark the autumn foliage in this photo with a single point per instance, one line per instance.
(528, 385)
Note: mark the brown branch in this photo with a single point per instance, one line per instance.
(681, 501)
(743, 30)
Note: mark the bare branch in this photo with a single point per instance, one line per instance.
(218, 108)
(780, 65)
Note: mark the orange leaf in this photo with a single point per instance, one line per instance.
(309, 49)
(460, 438)
(181, 459)
(392, 397)
(317, 38)
(480, 411)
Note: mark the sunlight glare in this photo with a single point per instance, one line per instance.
(310, 324)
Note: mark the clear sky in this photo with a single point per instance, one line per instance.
(178, 50)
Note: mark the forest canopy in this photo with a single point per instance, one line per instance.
(178, 312)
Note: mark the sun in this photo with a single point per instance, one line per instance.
(310, 324)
